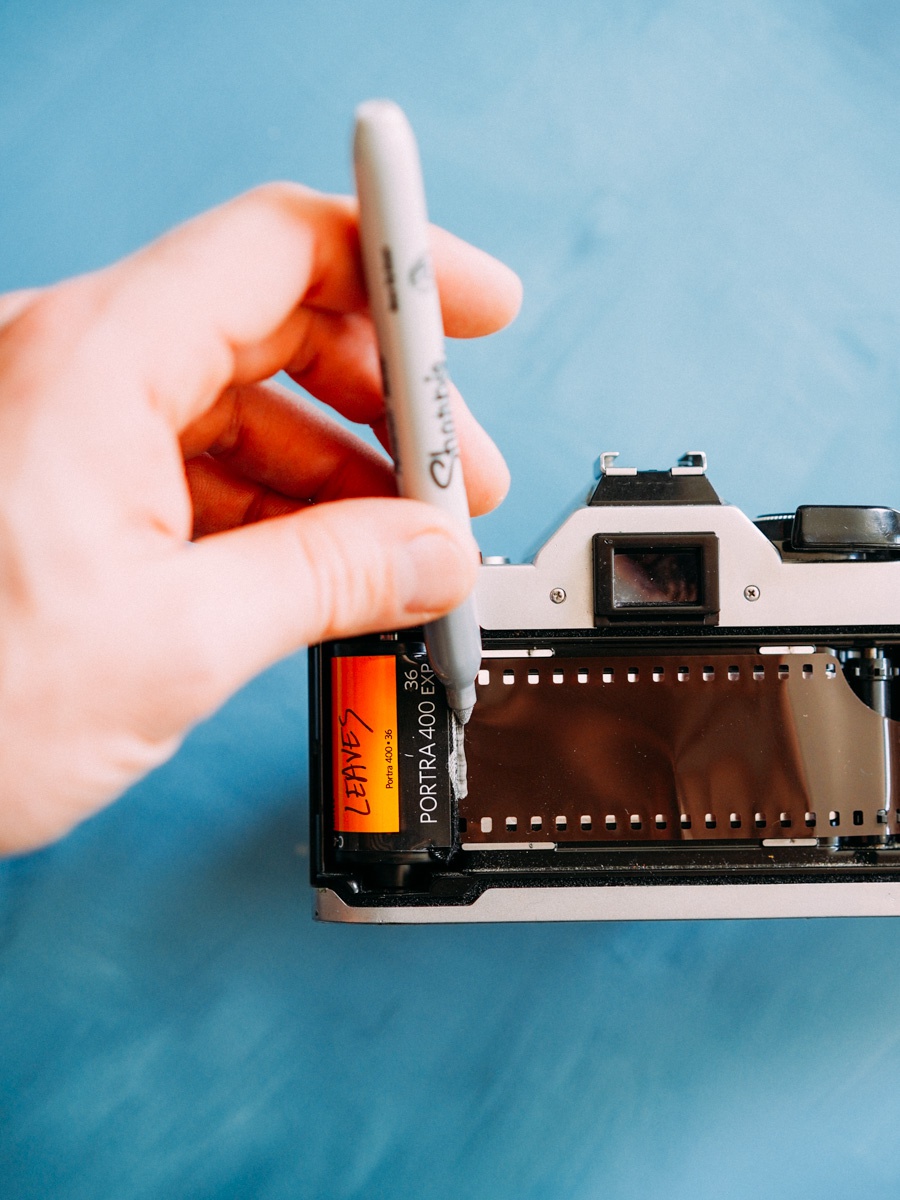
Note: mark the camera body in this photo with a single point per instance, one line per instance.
(681, 713)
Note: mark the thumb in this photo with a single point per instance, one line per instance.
(254, 594)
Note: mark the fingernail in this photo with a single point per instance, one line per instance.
(441, 572)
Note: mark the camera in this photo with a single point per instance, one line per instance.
(682, 713)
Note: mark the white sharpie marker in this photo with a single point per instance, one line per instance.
(406, 310)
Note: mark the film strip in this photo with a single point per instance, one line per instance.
(671, 749)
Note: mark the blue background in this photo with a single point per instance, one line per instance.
(704, 203)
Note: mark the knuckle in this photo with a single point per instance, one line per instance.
(348, 587)
(277, 199)
(322, 567)
(65, 311)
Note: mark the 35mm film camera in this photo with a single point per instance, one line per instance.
(681, 713)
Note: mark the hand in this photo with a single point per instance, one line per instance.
(134, 415)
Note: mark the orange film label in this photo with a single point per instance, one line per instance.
(364, 715)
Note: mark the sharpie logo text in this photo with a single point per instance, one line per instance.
(442, 461)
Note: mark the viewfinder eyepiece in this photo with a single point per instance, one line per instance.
(649, 577)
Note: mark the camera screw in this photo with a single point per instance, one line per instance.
(558, 595)
(751, 592)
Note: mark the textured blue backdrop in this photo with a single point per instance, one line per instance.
(704, 203)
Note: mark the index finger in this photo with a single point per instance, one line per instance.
(225, 298)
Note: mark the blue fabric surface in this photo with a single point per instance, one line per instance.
(704, 203)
